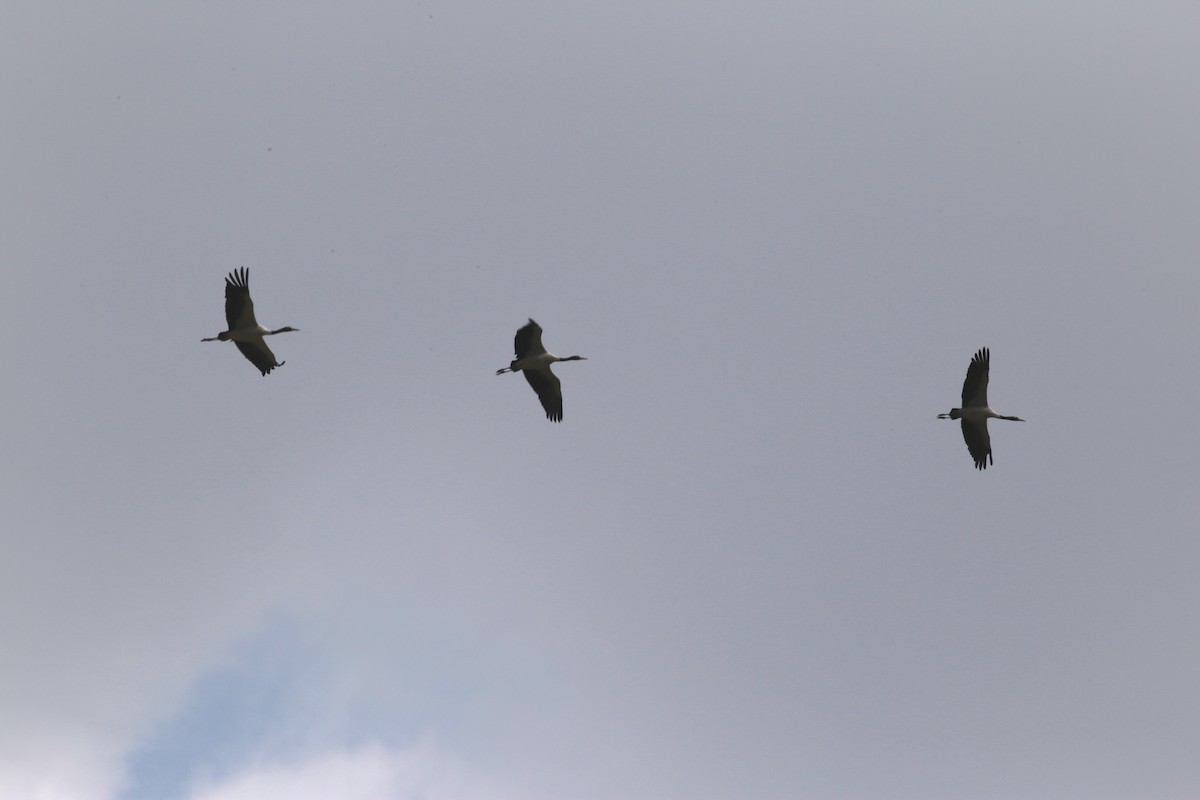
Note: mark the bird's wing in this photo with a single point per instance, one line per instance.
(528, 341)
(548, 389)
(239, 308)
(258, 354)
(974, 393)
(975, 434)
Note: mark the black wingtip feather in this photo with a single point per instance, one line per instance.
(239, 278)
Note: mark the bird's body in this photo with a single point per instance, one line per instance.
(533, 360)
(244, 330)
(975, 411)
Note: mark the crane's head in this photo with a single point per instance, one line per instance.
(573, 358)
(286, 329)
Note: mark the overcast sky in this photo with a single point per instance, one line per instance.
(750, 562)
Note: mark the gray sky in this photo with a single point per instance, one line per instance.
(750, 563)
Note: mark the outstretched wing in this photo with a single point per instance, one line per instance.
(974, 393)
(975, 434)
(528, 341)
(548, 389)
(239, 308)
(258, 354)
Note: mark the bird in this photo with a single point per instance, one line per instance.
(975, 410)
(533, 360)
(244, 330)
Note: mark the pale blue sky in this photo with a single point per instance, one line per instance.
(750, 563)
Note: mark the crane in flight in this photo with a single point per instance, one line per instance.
(533, 360)
(244, 330)
(975, 411)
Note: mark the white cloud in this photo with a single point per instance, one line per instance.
(371, 772)
(57, 761)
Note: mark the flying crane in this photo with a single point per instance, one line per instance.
(533, 360)
(975, 411)
(244, 330)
